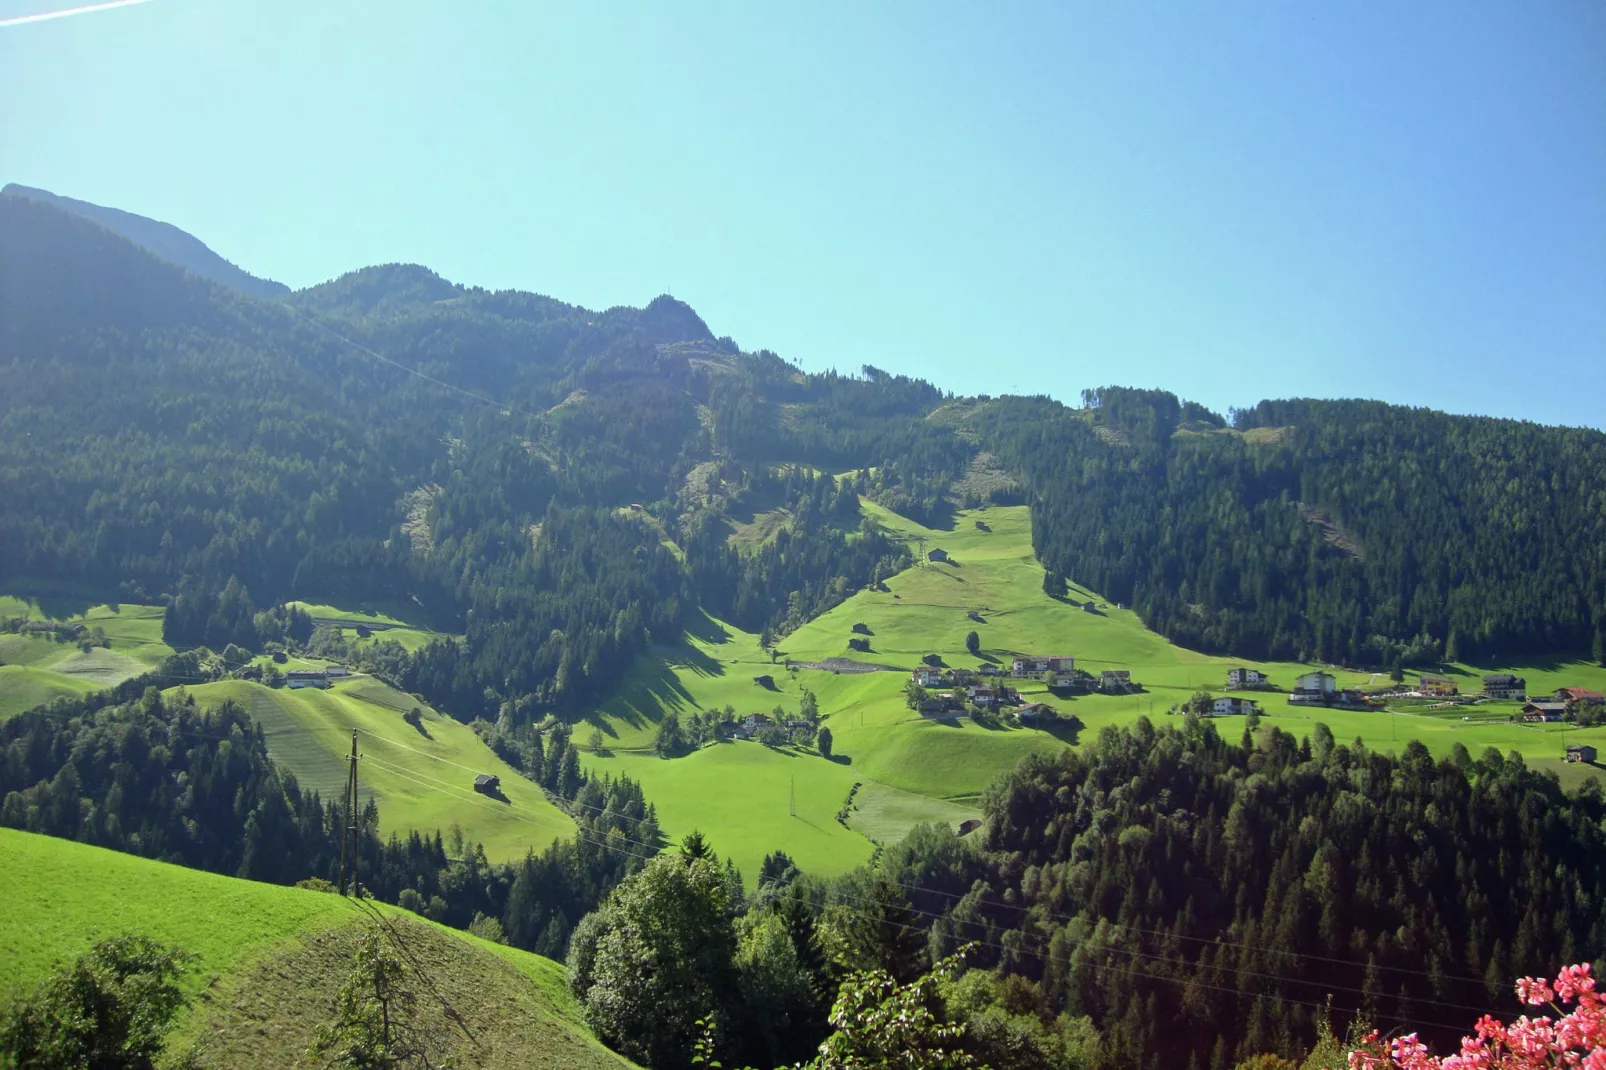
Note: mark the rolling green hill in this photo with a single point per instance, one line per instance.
(23, 688)
(269, 959)
(422, 779)
(35, 669)
(918, 769)
(382, 626)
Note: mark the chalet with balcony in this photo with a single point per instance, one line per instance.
(1503, 685)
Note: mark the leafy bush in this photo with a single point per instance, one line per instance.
(110, 1008)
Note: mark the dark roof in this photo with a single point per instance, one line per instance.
(1502, 679)
(487, 780)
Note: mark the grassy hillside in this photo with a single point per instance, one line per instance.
(916, 769)
(23, 688)
(36, 669)
(742, 795)
(135, 631)
(422, 779)
(410, 633)
(269, 959)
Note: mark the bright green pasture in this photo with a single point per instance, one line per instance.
(955, 758)
(36, 669)
(715, 667)
(134, 630)
(995, 572)
(62, 896)
(411, 633)
(886, 814)
(23, 688)
(268, 958)
(32, 650)
(98, 667)
(916, 769)
(740, 796)
(421, 781)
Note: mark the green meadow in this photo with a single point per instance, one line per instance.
(23, 688)
(742, 795)
(917, 769)
(36, 669)
(268, 959)
(422, 779)
(411, 633)
(748, 800)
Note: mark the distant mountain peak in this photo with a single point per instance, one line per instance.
(162, 239)
(666, 319)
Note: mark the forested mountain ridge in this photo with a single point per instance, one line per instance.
(393, 435)
(163, 239)
(1348, 531)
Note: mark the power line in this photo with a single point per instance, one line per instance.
(430, 784)
(482, 399)
(1275, 978)
(1160, 934)
(1040, 955)
(452, 791)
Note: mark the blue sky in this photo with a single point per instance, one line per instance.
(1231, 201)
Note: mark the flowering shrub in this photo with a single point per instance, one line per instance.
(1573, 1038)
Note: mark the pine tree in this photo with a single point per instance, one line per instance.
(1054, 584)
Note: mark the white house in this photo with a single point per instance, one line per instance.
(1118, 681)
(1241, 677)
(1232, 704)
(1032, 665)
(926, 676)
(1317, 683)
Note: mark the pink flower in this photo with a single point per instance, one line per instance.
(1572, 981)
(1575, 1040)
(1534, 990)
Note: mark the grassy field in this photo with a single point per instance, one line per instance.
(421, 779)
(36, 669)
(269, 959)
(742, 795)
(887, 814)
(915, 769)
(23, 688)
(135, 631)
(411, 633)
(911, 769)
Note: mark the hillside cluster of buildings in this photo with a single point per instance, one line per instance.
(988, 687)
(298, 678)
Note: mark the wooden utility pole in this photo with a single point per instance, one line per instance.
(349, 842)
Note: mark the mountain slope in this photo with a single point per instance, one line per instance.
(162, 239)
(559, 485)
(1348, 531)
(421, 778)
(270, 958)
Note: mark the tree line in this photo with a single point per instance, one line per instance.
(1342, 531)
(154, 774)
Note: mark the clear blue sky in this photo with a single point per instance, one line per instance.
(1232, 201)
